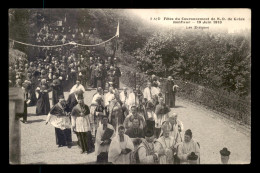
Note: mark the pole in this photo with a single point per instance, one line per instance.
(135, 88)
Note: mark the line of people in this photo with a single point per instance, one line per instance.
(121, 134)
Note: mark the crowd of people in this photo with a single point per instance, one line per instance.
(122, 127)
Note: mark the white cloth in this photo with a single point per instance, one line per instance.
(132, 101)
(163, 146)
(108, 97)
(76, 88)
(143, 155)
(116, 147)
(147, 94)
(61, 122)
(124, 98)
(94, 99)
(100, 132)
(186, 148)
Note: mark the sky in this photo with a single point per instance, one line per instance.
(231, 25)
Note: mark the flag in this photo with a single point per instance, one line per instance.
(117, 30)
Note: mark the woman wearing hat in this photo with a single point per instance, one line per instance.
(186, 148)
(82, 125)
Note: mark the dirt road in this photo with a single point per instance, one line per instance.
(38, 144)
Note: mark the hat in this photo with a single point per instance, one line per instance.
(148, 132)
(225, 152)
(192, 156)
(188, 132)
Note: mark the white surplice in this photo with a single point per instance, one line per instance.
(116, 147)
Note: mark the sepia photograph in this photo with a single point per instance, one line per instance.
(129, 86)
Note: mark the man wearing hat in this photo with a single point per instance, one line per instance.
(165, 145)
(105, 133)
(145, 153)
(120, 148)
(61, 121)
(82, 125)
(224, 155)
(186, 147)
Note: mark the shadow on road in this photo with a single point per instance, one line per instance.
(30, 115)
(74, 143)
(35, 121)
(179, 107)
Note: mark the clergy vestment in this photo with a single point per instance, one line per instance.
(56, 91)
(102, 148)
(186, 148)
(169, 94)
(161, 112)
(149, 93)
(58, 118)
(76, 88)
(114, 155)
(163, 145)
(116, 118)
(43, 102)
(71, 102)
(81, 120)
(145, 153)
(108, 97)
(128, 123)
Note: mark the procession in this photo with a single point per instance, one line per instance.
(122, 127)
(141, 121)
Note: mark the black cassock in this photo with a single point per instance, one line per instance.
(56, 91)
(71, 102)
(169, 94)
(63, 137)
(43, 103)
